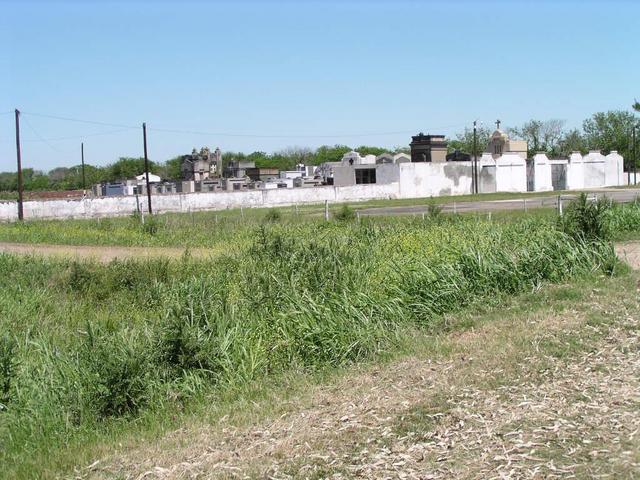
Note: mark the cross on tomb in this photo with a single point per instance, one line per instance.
(498, 124)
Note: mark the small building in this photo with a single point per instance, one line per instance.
(234, 184)
(259, 173)
(500, 144)
(458, 156)
(305, 182)
(428, 148)
(238, 168)
(201, 165)
(114, 189)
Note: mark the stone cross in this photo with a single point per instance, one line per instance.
(498, 124)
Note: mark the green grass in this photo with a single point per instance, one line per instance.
(228, 230)
(90, 353)
(95, 350)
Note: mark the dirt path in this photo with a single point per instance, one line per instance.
(629, 252)
(102, 253)
(544, 394)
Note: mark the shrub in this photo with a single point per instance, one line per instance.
(273, 215)
(587, 220)
(345, 214)
(434, 210)
(8, 365)
(118, 373)
(151, 225)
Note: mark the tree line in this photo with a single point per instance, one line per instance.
(604, 131)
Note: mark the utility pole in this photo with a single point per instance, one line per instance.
(475, 157)
(84, 184)
(146, 166)
(18, 156)
(635, 158)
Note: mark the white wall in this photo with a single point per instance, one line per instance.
(186, 202)
(426, 179)
(575, 172)
(404, 180)
(594, 166)
(511, 173)
(542, 173)
(613, 170)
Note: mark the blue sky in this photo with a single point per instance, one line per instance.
(274, 74)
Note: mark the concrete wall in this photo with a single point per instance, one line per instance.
(424, 179)
(613, 169)
(126, 205)
(405, 180)
(542, 173)
(593, 165)
(575, 172)
(509, 173)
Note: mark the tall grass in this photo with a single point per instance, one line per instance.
(84, 345)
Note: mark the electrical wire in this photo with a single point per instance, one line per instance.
(112, 132)
(247, 135)
(42, 139)
(242, 135)
(79, 120)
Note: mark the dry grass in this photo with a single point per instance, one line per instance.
(533, 394)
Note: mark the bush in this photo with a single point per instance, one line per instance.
(587, 220)
(273, 215)
(118, 373)
(434, 210)
(8, 366)
(151, 225)
(345, 214)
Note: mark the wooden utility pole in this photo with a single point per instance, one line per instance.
(84, 184)
(146, 166)
(20, 199)
(475, 157)
(635, 159)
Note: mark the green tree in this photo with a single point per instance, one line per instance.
(128, 167)
(171, 168)
(464, 140)
(609, 131)
(573, 141)
(541, 135)
(367, 150)
(327, 153)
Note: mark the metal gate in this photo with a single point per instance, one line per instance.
(559, 176)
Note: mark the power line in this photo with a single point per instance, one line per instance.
(343, 135)
(42, 139)
(79, 120)
(242, 135)
(111, 132)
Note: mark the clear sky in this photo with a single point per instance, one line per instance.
(271, 74)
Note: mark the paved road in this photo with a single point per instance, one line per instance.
(523, 203)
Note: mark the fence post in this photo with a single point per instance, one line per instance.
(357, 216)
(455, 210)
(326, 210)
(524, 201)
(560, 205)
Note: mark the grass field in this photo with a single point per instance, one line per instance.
(91, 354)
(228, 230)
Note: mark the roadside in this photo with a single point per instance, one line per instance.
(546, 387)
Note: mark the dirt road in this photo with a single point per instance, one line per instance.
(102, 253)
